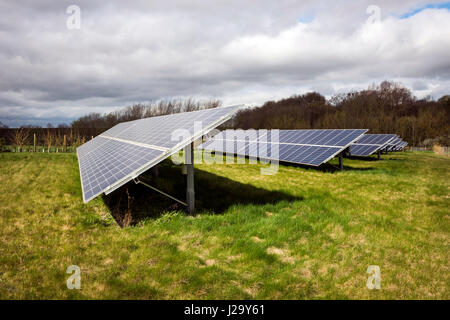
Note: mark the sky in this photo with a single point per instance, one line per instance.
(60, 60)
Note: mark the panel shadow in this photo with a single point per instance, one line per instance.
(213, 194)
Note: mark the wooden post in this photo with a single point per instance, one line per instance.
(34, 141)
(189, 163)
(65, 144)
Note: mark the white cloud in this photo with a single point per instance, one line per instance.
(236, 51)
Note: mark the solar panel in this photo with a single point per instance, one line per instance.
(400, 146)
(128, 149)
(393, 143)
(370, 143)
(310, 147)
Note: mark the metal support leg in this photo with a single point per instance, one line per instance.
(155, 172)
(189, 163)
(379, 154)
(341, 162)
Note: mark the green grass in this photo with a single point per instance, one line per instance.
(300, 234)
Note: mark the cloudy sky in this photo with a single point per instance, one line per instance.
(55, 68)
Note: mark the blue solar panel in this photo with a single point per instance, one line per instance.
(319, 137)
(370, 143)
(109, 162)
(128, 149)
(162, 131)
(311, 147)
(403, 145)
(393, 143)
(363, 150)
(400, 145)
(379, 139)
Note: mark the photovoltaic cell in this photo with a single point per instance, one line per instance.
(363, 150)
(163, 131)
(311, 147)
(128, 149)
(103, 166)
(402, 145)
(370, 143)
(393, 143)
(399, 145)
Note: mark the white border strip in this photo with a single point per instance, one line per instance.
(81, 178)
(288, 143)
(136, 143)
(381, 146)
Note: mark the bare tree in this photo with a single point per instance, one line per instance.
(2, 143)
(20, 138)
(48, 139)
(75, 140)
(58, 138)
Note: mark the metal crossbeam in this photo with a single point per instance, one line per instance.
(137, 181)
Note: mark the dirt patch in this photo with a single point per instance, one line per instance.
(298, 214)
(235, 257)
(210, 262)
(256, 239)
(283, 255)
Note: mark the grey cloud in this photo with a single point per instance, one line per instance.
(237, 51)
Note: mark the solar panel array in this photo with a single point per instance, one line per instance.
(402, 145)
(399, 146)
(370, 143)
(128, 149)
(393, 144)
(310, 147)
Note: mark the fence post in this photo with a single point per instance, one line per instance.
(34, 141)
(65, 144)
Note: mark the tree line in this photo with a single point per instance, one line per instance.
(97, 121)
(67, 138)
(385, 108)
(36, 139)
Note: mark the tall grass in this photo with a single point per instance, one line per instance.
(300, 234)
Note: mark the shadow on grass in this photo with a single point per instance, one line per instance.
(326, 167)
(369, 158)
(332, 168)
(213, 194)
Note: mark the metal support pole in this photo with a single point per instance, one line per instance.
(341, 162)
(189, 163)
(379, 154)
(155, 172)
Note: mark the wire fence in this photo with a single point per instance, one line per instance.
(442, 150)
(42, 149)
(420, 149)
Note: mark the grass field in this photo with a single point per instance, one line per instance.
(300, 234)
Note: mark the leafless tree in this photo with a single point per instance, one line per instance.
(75, 139)
(58, 138)
(20, 138)
(49, 138)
